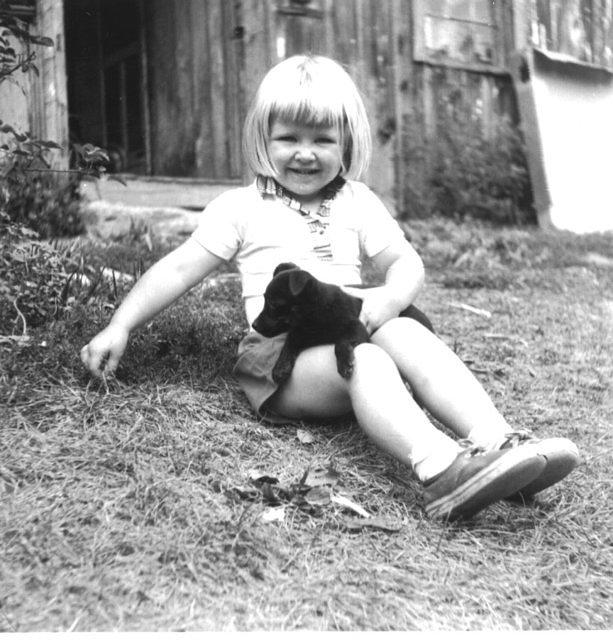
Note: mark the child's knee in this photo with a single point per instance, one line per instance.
(371, 357)
(402, 331)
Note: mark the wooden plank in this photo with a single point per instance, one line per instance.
(428, 102)
(488, 116)
(343, 26)
(123, 108)
(395, 26)
(144, 87)
(100, 71)
(53, 80)
(329, 34)
(503, 18)
(599, 24)
(217, 89)
(381, 82)
(609, 34)
(358, 61)
(521, 24)
(403, 82)
(201, 95)
(257, 45)
(183, 124)
(572, 31)
(163, 84)
(597, 36)
(232, 88)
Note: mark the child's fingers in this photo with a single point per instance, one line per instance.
(89, 360)
(111, 363)
(92, 360)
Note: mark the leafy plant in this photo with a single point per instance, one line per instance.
(35, 201)
(45, 202)
(32, 193)
(461, 170)
(11, 27)
(33, 277)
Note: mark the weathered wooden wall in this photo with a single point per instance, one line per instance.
(46, 92)
(375, 41)
(203, 60)
(195, 97)
(582, 29)
(357, 33)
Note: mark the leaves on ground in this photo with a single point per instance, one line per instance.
(128, 503)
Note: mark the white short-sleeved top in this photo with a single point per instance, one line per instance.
(261, 232)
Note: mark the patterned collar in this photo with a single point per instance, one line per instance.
(269, 187)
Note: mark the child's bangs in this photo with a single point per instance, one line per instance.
(308, 111)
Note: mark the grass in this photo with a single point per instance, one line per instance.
(134, 504)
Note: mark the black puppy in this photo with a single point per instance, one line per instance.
(313, 313)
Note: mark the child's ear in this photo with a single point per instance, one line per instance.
(298, 280)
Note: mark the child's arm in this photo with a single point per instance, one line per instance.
(162, 284)
(404, 277)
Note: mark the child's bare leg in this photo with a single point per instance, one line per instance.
(457, 482)
(452, 394)
(442, 382)
(376, 393)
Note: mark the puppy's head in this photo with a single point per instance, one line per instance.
(280, 299)
(284, 266)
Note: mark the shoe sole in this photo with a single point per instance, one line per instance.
(561, 455)
(506, 476)
(557, 467)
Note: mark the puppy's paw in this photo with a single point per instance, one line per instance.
(344, 366)
(282, 371)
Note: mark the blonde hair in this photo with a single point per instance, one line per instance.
(312, 91)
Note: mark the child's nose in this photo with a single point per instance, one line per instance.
(305, 153)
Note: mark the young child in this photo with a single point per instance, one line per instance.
(307, 139)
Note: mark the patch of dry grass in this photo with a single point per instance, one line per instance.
(128, 506)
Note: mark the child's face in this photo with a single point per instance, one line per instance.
(306, 158)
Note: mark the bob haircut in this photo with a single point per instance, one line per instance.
(311, 91)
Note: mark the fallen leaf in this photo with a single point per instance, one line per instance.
(306, 437)
(258, 477)
(274, 514)
(384, 524)
(274, 493)
(248, 493)
(349, 504)
(319, 477)
(318, 496)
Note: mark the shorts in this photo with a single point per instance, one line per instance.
(257, 356)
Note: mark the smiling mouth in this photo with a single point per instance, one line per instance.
(304, 172)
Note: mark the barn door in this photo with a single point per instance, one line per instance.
(194, 51)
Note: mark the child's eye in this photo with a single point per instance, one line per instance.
(286, 138)
(326, 140)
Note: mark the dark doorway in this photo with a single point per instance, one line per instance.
(107, 82)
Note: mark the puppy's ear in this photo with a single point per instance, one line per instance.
(298, 280)
(284, 266)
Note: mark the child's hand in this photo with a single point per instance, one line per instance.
(104, 351)
(378, 306)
